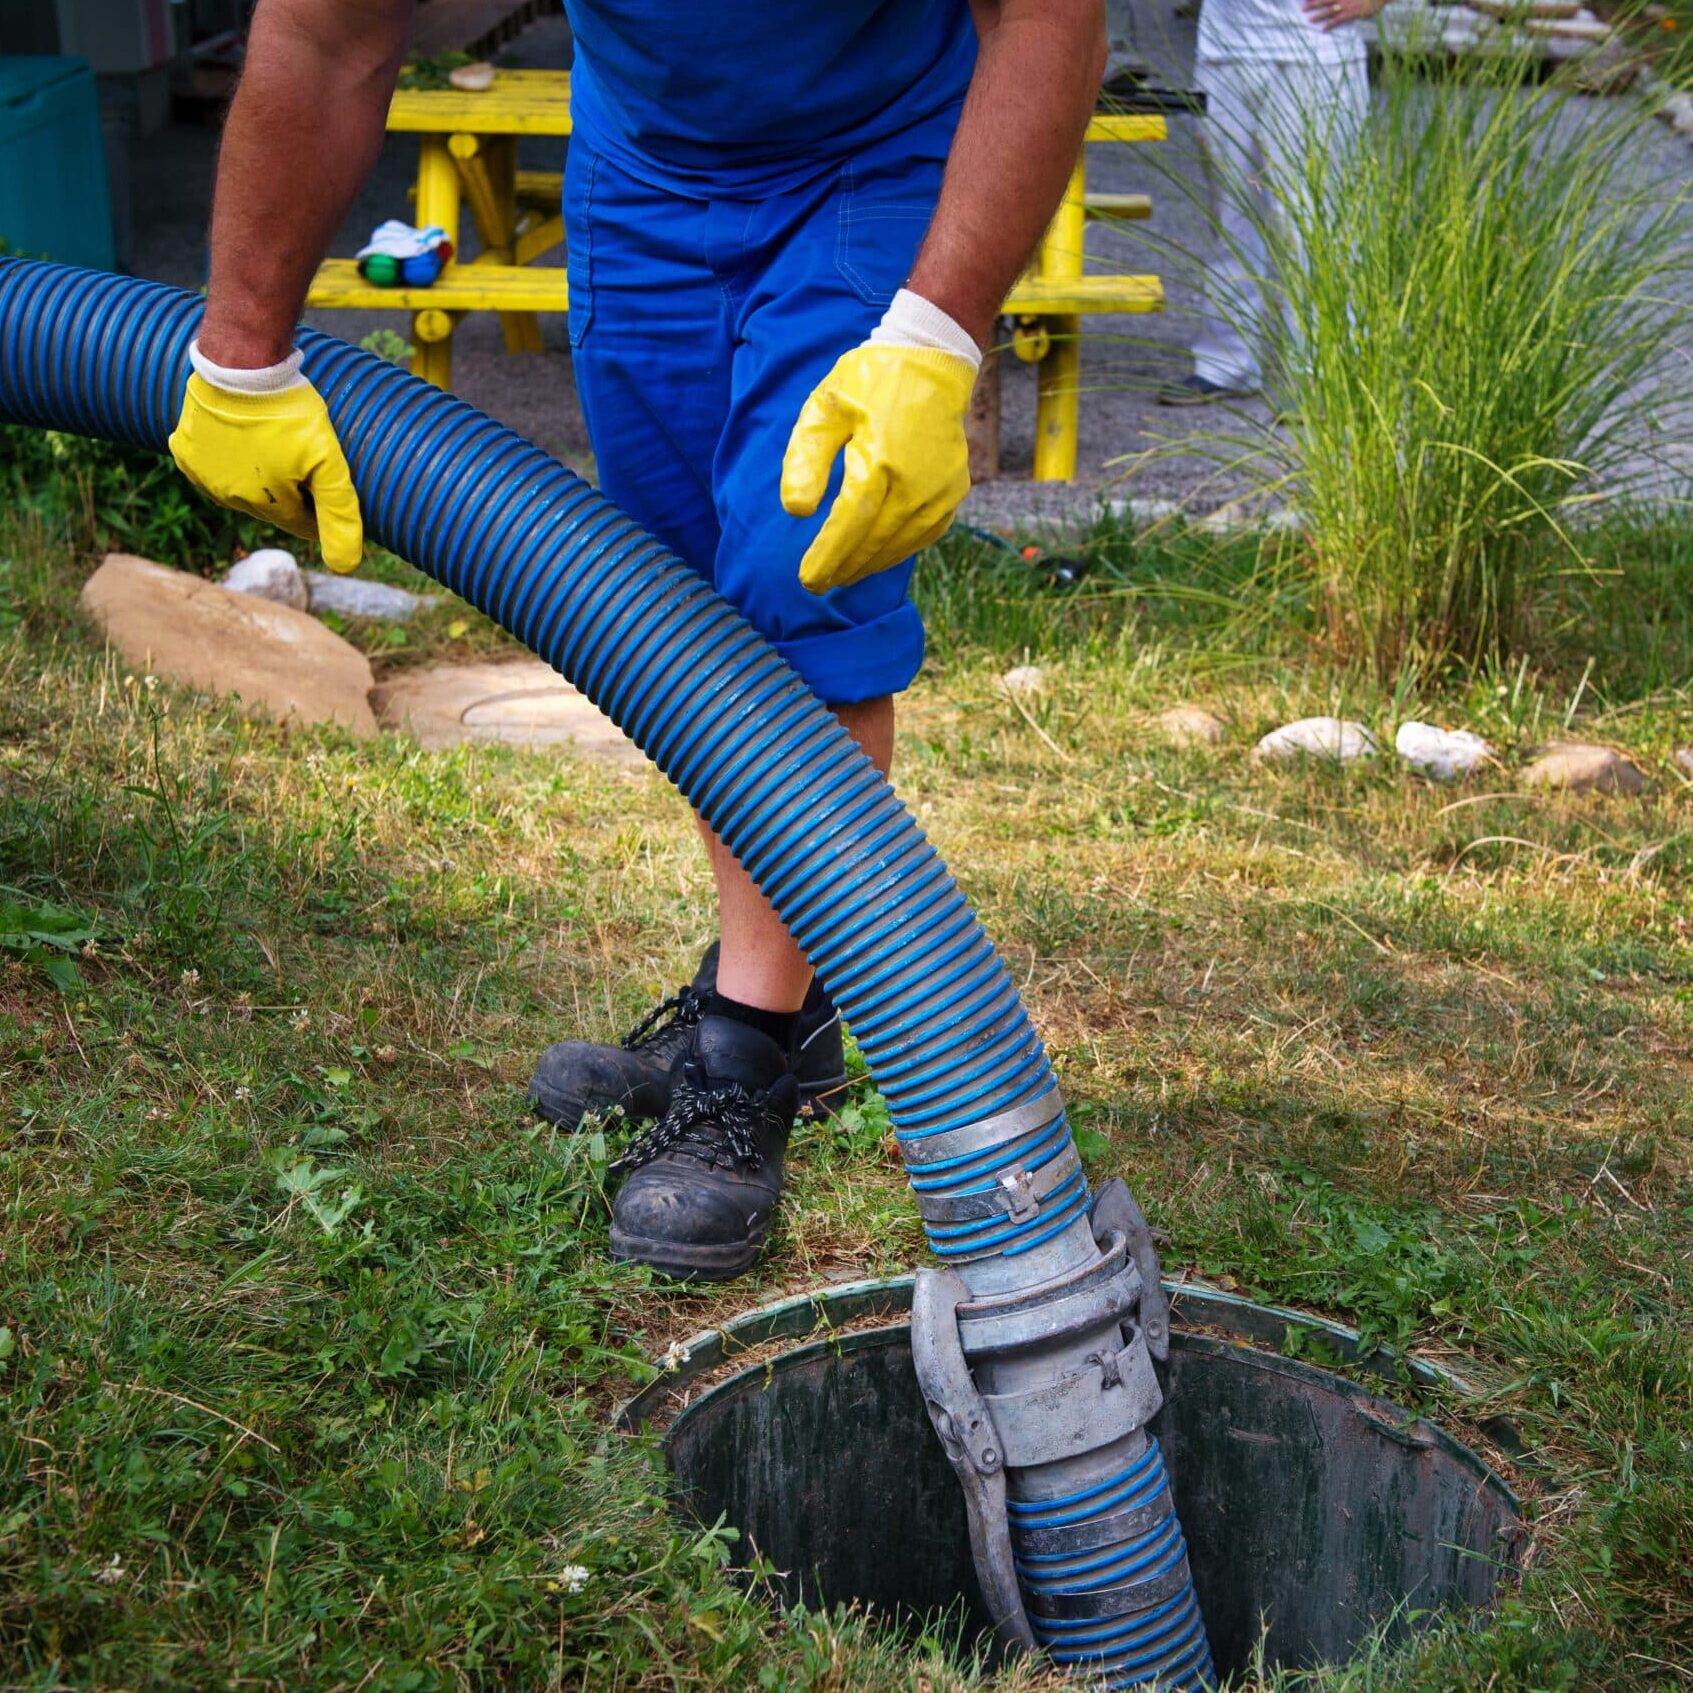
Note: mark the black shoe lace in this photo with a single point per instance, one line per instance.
(683, 1009)
(713, 1122)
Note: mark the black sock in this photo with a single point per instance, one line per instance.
(781, 1026)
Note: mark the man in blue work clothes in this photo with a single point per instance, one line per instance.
(790, 227)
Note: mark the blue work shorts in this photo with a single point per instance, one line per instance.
(698, 326)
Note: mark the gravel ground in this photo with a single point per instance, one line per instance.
(1128, 442)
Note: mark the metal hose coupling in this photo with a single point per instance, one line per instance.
(1040, 1394)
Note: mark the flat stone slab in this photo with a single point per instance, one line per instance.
(523, 702)
(279, 662)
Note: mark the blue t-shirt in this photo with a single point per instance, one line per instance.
(741, 93)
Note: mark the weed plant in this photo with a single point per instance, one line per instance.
(111, 496)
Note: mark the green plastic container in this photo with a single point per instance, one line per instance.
(54, 201)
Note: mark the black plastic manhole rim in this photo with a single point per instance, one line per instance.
(1316, 1510)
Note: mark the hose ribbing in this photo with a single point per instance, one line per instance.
(526, 541)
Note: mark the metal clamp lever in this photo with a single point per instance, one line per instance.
(1114, 1208)
(962, 1420)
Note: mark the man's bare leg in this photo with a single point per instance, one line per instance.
(760, 965)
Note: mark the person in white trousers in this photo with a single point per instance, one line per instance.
(1279, 76)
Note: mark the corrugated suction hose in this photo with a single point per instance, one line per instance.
(1098, 1551)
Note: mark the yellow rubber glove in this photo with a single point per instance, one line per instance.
(275, 456)
(899, 413)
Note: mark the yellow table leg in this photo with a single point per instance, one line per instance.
(487, 167)
(432, 335)
(1057, 386)
(522, 329)
(437, 203)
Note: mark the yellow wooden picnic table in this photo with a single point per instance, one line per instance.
(468, 153)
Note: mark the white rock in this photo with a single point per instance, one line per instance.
(1237, 517)
(1581, 769)
(269, 574)
(1229, 519)
(1191, 726)
(473, 79)
(353, 596)
(1145, 511)
(1444, 754)
(1023, 680)
(1336, 738)
(1677, 109)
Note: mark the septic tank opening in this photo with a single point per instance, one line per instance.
(1315, 1511)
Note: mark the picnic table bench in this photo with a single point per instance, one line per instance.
(468, 155)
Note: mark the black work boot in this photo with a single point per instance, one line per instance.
(577, 1077)
(702, 1183)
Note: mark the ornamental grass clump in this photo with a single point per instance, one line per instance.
(1471, 332)
(1472, 350)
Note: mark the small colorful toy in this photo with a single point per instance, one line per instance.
(401, 256)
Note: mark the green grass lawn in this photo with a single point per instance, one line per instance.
(309, 1334)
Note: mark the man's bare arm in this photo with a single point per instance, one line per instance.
(1037, 78)
(302, 135)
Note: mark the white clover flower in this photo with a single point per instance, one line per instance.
(575, 1577)
(675, 1356)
